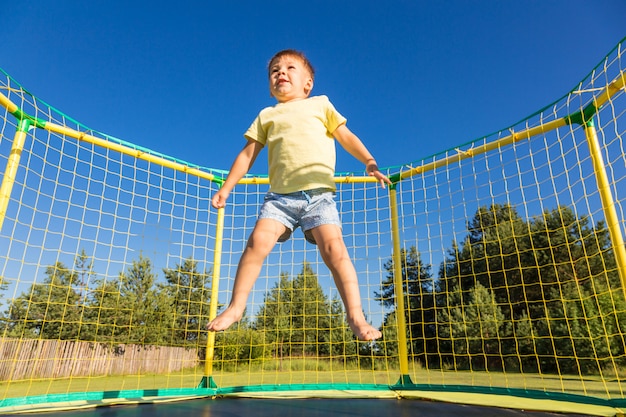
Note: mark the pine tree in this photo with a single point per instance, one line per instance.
(298, 317)
(474, 328)
(49, 310)
(419, 293)
(189, 292)
(146, 313)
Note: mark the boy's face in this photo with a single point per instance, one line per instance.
(289, 79)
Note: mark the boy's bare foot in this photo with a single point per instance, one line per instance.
(365, 331)
(224, 320)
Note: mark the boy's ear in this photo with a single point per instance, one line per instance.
(308, 86)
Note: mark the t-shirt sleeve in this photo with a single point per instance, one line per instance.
(256, 131)
(334, 119)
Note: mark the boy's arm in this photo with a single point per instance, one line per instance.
(351, 143)
(243, 162)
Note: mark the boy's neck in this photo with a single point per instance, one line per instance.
(291, 100)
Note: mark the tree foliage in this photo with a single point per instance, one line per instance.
(47, 310)
(418, 286)
(541, 294)
(299, 319)
(189, 293)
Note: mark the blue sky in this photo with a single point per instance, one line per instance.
(186, 79)
(413, 77)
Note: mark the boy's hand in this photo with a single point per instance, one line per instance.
(373, 171)
(219, 199)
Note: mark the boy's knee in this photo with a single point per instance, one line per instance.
(260, 242)
(332, 248)
(267, 233)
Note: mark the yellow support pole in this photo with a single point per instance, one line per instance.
(8, 104)
(487, 147)
(338, 180)
(10, 171)
(608, 204)
(126, 150)
(403, 352)
(611, 89)
(207, 381)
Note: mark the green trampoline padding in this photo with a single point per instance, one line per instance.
(310, 407)
(313, 400)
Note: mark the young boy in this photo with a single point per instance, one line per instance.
(298, 132)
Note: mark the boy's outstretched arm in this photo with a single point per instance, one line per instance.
(243, 162)
(351, 143)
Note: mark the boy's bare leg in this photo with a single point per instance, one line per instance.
(260, 243)
(335, 254)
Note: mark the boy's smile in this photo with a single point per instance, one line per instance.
(289, 79)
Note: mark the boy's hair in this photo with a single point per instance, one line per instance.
(297, 54)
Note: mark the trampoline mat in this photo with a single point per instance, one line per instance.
(245, 407)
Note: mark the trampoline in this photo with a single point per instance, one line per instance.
(245, 407)
(495, 272)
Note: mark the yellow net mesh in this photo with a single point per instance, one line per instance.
(508, 255)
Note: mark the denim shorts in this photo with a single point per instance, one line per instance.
(306, 209)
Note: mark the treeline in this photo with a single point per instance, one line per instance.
(296, 319)
(74, 304)
(538, 295)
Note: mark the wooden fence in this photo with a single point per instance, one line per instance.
(30, 358)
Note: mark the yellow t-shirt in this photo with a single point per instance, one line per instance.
(300, 144)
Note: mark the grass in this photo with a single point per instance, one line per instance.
(314, 371)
